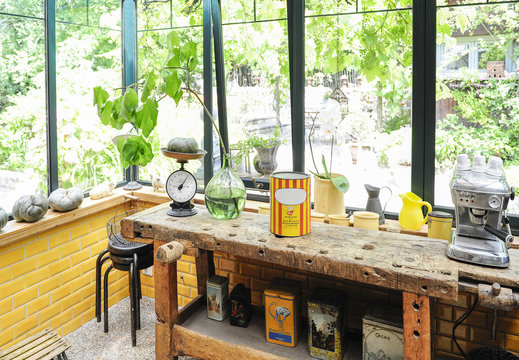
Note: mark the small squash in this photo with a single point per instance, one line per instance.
(183, 145)
(65, 199)
(30, 208)
(3, 218)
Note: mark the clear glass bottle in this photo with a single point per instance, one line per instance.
(225, 194)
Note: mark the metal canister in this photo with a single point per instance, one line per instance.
(440, 225)
(217, 297)
(290, 203)
(382, 333)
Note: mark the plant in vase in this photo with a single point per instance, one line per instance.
(329, 187)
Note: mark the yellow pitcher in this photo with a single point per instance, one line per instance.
(411, 216)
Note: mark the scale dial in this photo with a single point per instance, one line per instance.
(181, 186)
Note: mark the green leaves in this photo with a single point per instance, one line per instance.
(325, 167)
(172, 88)
(134, 150)
(100, 96)
(341, 183)
(149, 85)
(146, 117)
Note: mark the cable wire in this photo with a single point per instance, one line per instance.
(458, 323)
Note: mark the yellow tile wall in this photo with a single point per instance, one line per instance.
(48, 279)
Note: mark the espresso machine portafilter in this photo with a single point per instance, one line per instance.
(480, 195)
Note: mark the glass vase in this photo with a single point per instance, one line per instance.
(225, 194)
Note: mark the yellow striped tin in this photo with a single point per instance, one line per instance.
(290, 203)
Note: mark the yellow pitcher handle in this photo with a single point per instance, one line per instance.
(429, 209)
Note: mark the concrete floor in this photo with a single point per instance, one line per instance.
(89, 342)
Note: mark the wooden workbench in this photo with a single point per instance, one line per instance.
(416, 266)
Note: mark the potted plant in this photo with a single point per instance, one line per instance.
(225, 194)
(329, 187)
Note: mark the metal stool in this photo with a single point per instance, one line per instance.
(125, 256)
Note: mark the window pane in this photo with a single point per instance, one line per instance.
(169, 14)
(358, 81)
(258, 107)
(86, 57)
(183, 120)
(23, 154)
(477, 100)
(27, 8)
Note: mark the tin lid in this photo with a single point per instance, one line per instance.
(440, 214)
(323, 296)
(217, 280)
(389, 315)
(290, 175)
(283, 288)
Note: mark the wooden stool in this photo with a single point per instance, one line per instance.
(44, 345)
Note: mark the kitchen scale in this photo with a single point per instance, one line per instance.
(181, 184)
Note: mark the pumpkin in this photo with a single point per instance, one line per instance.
(30, 208)
(65, 200)
(183, 145)
(3, 218)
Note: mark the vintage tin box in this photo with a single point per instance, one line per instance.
(217, 297)
(382, 334)
(327, 324)
(241, 309)
(290, 203)
(282, 311)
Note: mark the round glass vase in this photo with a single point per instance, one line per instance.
(225, 194)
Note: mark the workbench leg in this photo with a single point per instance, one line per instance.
(204, 270)
(166, 306)
(417, 327)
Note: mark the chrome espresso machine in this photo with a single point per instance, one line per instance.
(480, 195)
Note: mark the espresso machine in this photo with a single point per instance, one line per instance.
(480, 195)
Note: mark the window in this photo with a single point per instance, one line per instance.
(477, 105)
(23, 151)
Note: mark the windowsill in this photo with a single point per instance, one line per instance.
(15, 231)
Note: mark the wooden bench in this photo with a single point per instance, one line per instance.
(44, 345)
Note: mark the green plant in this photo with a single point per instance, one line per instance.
(246, 146)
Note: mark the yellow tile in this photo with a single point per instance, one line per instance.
(89, 315)
(80, 230)
(62, 318)
(71, 274)
(6, 337)
(37, 276)
(4, 248)
(39, 328)
(23, 297)
(24, 267)
(72, 325)
(81, 307)
(108, 212)
(88, 265)
(37, 305)
(112, 300)
(116, 286)
(12, 318)
(89, 240)
(12, 287)
(98, 223)
(123, 294)
(71, 224)
(23, 242)
(102, 233)
(81, 256)
(146, 280)
(60, 266)
(194, 292)
(81, 282)
(183, 266)
(25, 326)
(151, 292)
(71, 300)
(60, 238)
(49, 284)
(70, 247)
(60, 293)
(50, 312)
(36, 248)
(11, 257)
(49, 232)
(48, 257)
(183, 290)
(99, 247)
(190, 280)
(88, 290)
(6, 305)
(188, 258)
(5, 275)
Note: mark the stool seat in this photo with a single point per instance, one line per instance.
(123, 263)
(119, 246)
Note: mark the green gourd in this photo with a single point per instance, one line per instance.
(3, 218)
(30, 208)
(65, 199)
(183, 145)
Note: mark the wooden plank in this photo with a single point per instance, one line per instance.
(188, 342)
(391, 260)
(36, 338)
(417, 327)
(15, 231)
(203, 270)
(191, 308)
(50, 352)
(166, 304)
